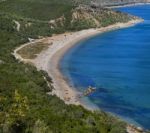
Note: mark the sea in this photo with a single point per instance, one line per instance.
(117, 63)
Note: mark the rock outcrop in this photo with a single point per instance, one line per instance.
(1, 62)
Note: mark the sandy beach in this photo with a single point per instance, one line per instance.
(48, 60)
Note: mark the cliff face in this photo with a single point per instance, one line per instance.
(84, 17)
(87, 17)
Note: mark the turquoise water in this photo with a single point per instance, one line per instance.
(118, 64)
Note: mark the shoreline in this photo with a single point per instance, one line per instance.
(128, 5)
(49, 60)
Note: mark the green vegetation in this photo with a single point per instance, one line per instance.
(24, 105)
(36, 9)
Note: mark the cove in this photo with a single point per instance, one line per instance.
(117, 63)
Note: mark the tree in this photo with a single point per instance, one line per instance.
(15, 116)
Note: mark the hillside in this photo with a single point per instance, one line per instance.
(40, 18)
(24, 105)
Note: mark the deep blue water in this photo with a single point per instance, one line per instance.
(118, 64)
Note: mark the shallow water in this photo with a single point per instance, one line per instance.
(117, 63)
